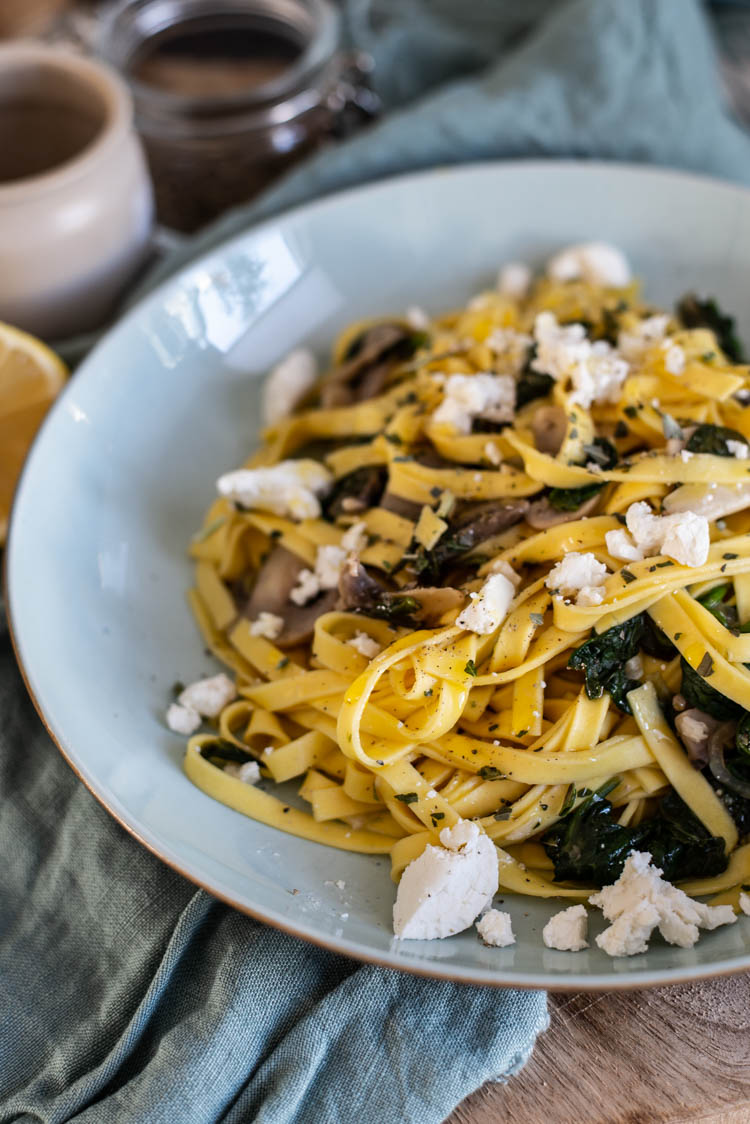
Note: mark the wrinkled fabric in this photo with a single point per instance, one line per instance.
(127, 996)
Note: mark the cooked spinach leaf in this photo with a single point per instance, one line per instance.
(698, 693)
(601, 452)
(713, 439)
(532, 384)
(220, 751)
(602, 660)
(570, 499)
(695, 313)
(588, 845)
(655, 642)
(742, 738)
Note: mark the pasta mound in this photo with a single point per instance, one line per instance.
(394, 719)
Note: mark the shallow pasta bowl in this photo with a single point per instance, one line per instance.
(125, 466)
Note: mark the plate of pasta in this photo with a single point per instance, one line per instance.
(387, 573)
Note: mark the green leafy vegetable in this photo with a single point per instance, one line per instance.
(407, 797)
(655, 642)
(742, 739)
(698, 693)
(602, 660)
(531, 385)
(714, 602)
(695, 313)
(570, 499)
(220, 751)
(588, 845)
(713, 439)
(396, 609)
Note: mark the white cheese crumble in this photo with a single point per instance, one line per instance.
(417, 318)
(267, 625)
(511, 347)
(329, 559)
(579, 575)
(595, 370)
(641, 901)
(209, 696)
(567, 930)
(248, 772)
(674, 357)
(183, 719)
(290, 488)
(514, 280)
(683, 536)
(745, 902)
(495, 928)
(633, 344)
(365, 645)
(465, 397)
(738, 449)
(444, 890)
(596, 263)
(489, 607)
(288, 382)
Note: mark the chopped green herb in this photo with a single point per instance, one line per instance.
(436, 817)
(178, 688)
(536, 618)
(283, 662)
(490, 773)
(729, 556)
(407, 797)
(621, 429)
(470, 668)
(631, 411)
(706, 667)
(428, 693)
(393, 438)
(627, 576)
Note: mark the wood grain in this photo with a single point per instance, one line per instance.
(665, 1056)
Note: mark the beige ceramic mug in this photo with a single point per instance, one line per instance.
(76, 205)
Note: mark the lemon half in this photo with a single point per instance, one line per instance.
(31, 377)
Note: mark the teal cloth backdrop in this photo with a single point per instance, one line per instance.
(127, 996)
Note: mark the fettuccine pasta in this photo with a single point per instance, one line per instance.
(496, 568)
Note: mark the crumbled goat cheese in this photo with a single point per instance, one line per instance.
(674, 358)
(634, 667)
(686, 455)
(745, 902)
(596, 263)
(510, 347)
(183, 719)
(268, 625)
(306, 588)
(683, 536)
(444, 890)
(567, 930)
(641, 901)
(465, 833)
(633, 344)
(579, 575)
(468, 396)
(248, 772)
(290, 488)
(489, 607)
(495, 928)
(328, 562)
(417, 318)
(712, 502)
(595, 369)
(365, 645)
(738, 449)
(287, 383)
(209, 696)
(514, 280)
(500, 566)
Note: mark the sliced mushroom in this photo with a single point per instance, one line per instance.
(695, 728)
(364, 374)
(474, 523)
(407, 509)
(358, 590)
(549, 426)
(276, 578)
(542, 514)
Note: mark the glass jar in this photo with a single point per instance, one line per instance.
(229, 93)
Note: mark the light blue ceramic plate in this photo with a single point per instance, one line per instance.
(125, 466)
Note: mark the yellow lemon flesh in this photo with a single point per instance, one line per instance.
(30, 378)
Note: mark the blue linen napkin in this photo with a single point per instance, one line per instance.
(126, 996)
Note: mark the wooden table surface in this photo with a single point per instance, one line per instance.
(662, 1056)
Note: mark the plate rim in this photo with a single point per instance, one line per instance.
(499, 978)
